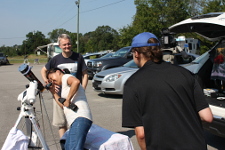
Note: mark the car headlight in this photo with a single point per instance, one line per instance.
(112, 78)
(97, 64)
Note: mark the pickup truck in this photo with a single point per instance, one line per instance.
(119, 58)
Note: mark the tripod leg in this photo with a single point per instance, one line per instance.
(18, 120)
(39, 134)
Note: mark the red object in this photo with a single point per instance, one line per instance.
(219, 59)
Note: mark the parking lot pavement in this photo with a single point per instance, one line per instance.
(106, 109)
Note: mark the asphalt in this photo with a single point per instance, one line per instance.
(106, 109)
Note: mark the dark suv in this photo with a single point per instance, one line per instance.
(3, 59)
(119, 58)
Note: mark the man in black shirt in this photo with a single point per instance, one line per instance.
(72, 62)
(163, 102)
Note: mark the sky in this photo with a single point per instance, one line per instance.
(19, 17)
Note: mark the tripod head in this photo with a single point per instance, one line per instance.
(28, 96)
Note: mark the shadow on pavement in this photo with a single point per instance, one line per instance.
(110, 96)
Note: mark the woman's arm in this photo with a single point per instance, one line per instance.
(74, 84)
(55, 95)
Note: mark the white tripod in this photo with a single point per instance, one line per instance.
(27, 98)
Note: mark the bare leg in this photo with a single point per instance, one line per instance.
(62, 130)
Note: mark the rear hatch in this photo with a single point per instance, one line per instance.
(210, 26)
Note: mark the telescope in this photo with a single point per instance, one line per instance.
(26, 71)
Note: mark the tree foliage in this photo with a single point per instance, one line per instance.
(103, 38)
(53, 36)
(10, 51)
(33, 40)
(214, 6)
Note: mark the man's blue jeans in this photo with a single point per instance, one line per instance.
(77, 134)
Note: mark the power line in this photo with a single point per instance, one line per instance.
(91, 10)
(58, 16)
(11, 38)
(66, 21)
(103, 6)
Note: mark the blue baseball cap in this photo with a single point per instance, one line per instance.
(141, 40)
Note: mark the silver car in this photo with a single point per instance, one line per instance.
(111, 81)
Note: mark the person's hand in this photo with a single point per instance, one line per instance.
(46, 81)
(56, 88)
(66, 103)
(52, 89)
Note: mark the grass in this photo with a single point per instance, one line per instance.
(31, 58)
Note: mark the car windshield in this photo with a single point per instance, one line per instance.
(121, 52)
(107, 55)
(92, 56)
(130, 64)
(1, 54)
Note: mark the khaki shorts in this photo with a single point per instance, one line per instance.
(59, 119)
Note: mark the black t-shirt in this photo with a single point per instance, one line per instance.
(75, 64)
(165, 100)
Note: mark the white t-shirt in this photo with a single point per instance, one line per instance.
(79, 99)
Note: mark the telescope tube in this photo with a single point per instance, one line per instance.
(26, 71)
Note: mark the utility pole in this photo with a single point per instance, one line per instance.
(78, 6)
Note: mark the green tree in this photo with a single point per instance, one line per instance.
(73, 37)
(33, 40)
(153, 15)
(126, 35)
(53, 36)
(214, 6)
(7, 50)
(103, 38)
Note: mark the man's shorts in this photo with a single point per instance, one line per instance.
(59, 119)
